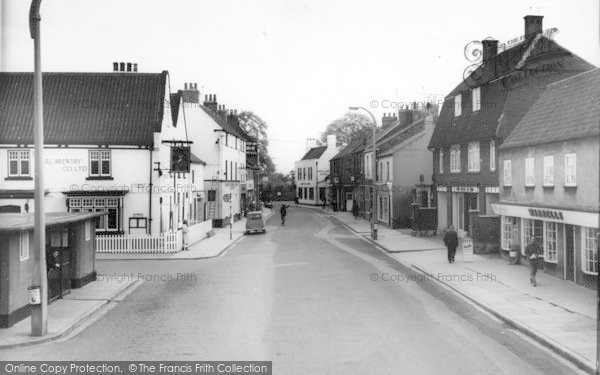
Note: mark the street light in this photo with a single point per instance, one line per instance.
(373, 173)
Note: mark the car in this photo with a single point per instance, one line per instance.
(255, 222)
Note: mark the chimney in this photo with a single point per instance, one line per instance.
(122, 67)
(331, 141)
(533, 26)
(388, 119)
(490, 49)
(135, 67)
(212, 102)
(191, 93)
(310, 143)
(129, 67)
(115, 67)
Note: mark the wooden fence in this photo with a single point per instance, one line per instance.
(167, 242)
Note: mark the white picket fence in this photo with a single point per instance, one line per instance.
(167, 242)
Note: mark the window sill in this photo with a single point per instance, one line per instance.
(589, 273)
(530, 187)
(19, 178)
(473, 172)
(93, 178)
(550, 261)
(570, 186)
(548, 186)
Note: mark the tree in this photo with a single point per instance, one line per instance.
(351, 126)
(257, 129)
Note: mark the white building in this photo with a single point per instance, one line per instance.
(221, 143)
(108, 139)
(312, 171)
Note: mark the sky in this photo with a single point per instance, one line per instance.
(298, 64)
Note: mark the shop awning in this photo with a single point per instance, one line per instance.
(558, 215)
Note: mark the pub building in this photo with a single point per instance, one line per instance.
(549, 177)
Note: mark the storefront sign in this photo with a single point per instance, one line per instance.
(467, 249)
(584, 219)
(465, 189)
(492, 189)
(442, 189)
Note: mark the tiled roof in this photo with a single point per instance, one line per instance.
(227, 123)
(568, 109)
(84, 108)
(314, 153)
(354, 146)
(196, 160)
(511, 82)
(387, 144)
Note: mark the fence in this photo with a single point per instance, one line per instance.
(167, 242)
(198, 230)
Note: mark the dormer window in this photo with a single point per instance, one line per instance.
(476, 96)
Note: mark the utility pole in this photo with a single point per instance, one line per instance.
(257, 172)
(39, 312)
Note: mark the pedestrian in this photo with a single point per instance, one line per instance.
(355, 210)
(296, 200)
(283, 212)
(451, 242)
(185, 235)
(533, 250)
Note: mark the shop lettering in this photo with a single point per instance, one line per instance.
(549, 214)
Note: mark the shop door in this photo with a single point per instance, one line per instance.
(569, 253)
(58, 261)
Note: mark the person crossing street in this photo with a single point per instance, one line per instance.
(283, 212)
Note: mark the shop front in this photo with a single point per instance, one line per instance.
(569, 239)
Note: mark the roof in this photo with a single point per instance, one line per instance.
(568, 109)
(196, 160)
(511, 82)
(84, 108)
(314, 153)
(25, 221)
(398, 136)
(228, 123)
(352, 147)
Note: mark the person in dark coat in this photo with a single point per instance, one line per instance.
(533, 250)
(283, 212)
(451, 242)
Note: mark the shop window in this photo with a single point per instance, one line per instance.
(300, 196)
(550, 253)
(19, 163)
(589, 248)
(311, 193)
(509, 224)
(107, 223)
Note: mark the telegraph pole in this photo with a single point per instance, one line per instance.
(39, 312)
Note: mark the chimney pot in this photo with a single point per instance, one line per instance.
(115, 66)
(122, 66)
(185, 86)
(129, 67)
(135, 67)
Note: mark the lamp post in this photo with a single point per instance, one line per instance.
(39, 311)
(373, 173)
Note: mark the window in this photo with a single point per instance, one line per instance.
(299, 174)
(300, 193)
(570, 170)
(528, 232)
(476, 95)
(549, 170)
(226, 139)
(24, 246)
(112, 205)
(231, 169)
(508, 225)
(457, 105)
(99, 163)
(226, 164)
(387, 170)
(550, 254)
(492, 155)
(304, 173)
(529, 172)
(310, 173)
(589, 247)
(507, 173)
(18, 163)
(311, 193)
(473, 157)
(455, 158)
(441, 160)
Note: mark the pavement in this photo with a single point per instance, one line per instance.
(557, 313)
(69, 312)
(66, 314)
(210, 247)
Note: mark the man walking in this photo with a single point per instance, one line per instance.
(451, 242)
(532, 251)
(283, 212)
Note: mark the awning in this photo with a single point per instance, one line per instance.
(558, 215)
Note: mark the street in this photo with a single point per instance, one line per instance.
(310, 296)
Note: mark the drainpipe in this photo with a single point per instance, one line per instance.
(149, 229)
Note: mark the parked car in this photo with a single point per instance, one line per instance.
(255, 222)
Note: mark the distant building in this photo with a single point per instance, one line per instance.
(312, 172)
(476, 118)
(549, 179)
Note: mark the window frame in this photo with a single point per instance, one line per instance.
(548, 166)
(550, 242)
(571, 156)
(507, 237)
(24, 244)
(100, 159)
(22, 156)
(586, 250)
(476, 99)
(455, 159)
(492, 155)
(441, 160)
(473, 157)
(529, 172)
(507, 172)
(458, 105)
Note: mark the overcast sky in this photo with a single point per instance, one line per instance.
(297, 64)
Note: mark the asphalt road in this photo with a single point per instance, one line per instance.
(311, 297)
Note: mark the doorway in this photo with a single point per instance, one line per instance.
(569, 252)
(58, 262)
